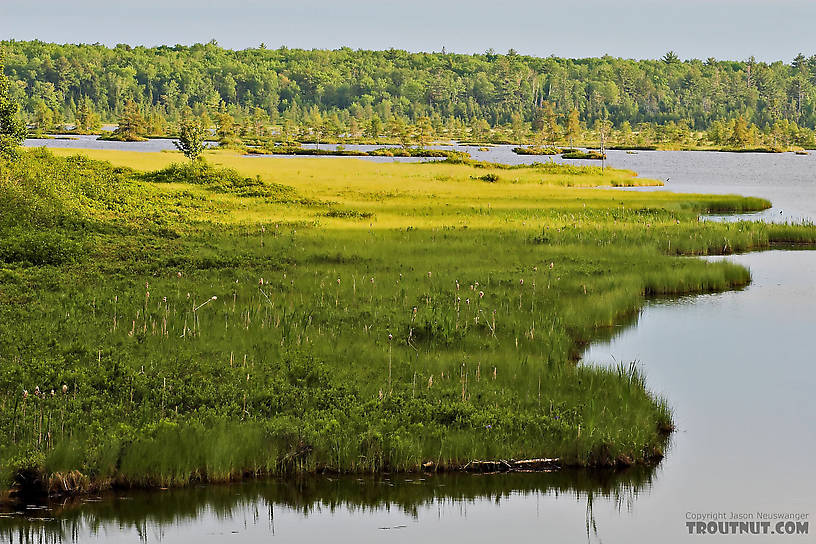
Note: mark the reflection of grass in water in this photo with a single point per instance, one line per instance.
(181, 365)
(316, 495)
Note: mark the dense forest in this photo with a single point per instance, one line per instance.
(362, 92)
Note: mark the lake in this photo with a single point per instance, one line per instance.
(737, 367)
(786, 179)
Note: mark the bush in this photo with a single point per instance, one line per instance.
(38, 248)
(220, 180)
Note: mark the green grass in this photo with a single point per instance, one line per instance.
(269, 316)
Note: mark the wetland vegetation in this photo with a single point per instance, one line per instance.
(164, 322)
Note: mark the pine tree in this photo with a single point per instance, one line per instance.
(551, 130)
(424, 131)
(12, 129)
(741, 133)
(86, 120)
(225, 128)
(398, 130)
(131, 123)
(573, 126)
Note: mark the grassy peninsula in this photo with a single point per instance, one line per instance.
(165, 323)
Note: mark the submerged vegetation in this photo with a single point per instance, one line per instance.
(164, 323)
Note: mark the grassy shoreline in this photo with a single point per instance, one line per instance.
(522, 147)
(287, 315)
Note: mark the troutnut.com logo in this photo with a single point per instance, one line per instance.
(747, 523)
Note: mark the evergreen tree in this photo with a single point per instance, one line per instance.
(573, 126)
(86, 120)
(424, 131)
(374, 127)
(741, 135)
(399, 131)
(131, 123)
(551, 130)
(225, 128)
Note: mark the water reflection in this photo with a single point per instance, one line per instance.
(364, 505)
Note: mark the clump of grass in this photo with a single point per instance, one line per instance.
(585, 155)
(221, 180)
(533, 150)
(490, 178)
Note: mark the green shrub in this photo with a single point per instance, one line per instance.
(220, 180)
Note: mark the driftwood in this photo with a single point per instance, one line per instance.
(525, 465)
(537, 465)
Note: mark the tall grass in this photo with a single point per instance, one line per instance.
(205, 335)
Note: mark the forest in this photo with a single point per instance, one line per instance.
(299, 95)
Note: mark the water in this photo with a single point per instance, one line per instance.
(93, 142)
(737, 367)
(786, 179)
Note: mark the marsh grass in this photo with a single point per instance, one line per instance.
(426, 317)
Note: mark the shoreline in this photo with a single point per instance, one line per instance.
(454, 408)
(526, 148)
(44, 489)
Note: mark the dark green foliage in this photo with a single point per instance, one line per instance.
(12, 128)
(37, 248)
(490, 178)
(132, 125)
(349, 214)
(370, 87)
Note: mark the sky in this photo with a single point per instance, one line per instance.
(725, 29)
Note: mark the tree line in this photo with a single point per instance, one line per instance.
(326, 93)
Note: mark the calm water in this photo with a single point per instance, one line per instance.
(737, 367)
(786, 179)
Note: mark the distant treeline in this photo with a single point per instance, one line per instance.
(361, 91)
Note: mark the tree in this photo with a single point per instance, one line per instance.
(260, 119)
(317, 125)
(191, 139)
(131, 123)
(398, 130)
(573, 126)
(288, 131)
(550, 131)
(626, 133)
(424, 131)
(670, 58)
(741, 134)
(518, 127)
(374, 127)
(479, 129)
(86, 120)
(12, 129)
(225, 128)
(718, 133)
(43, 116)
